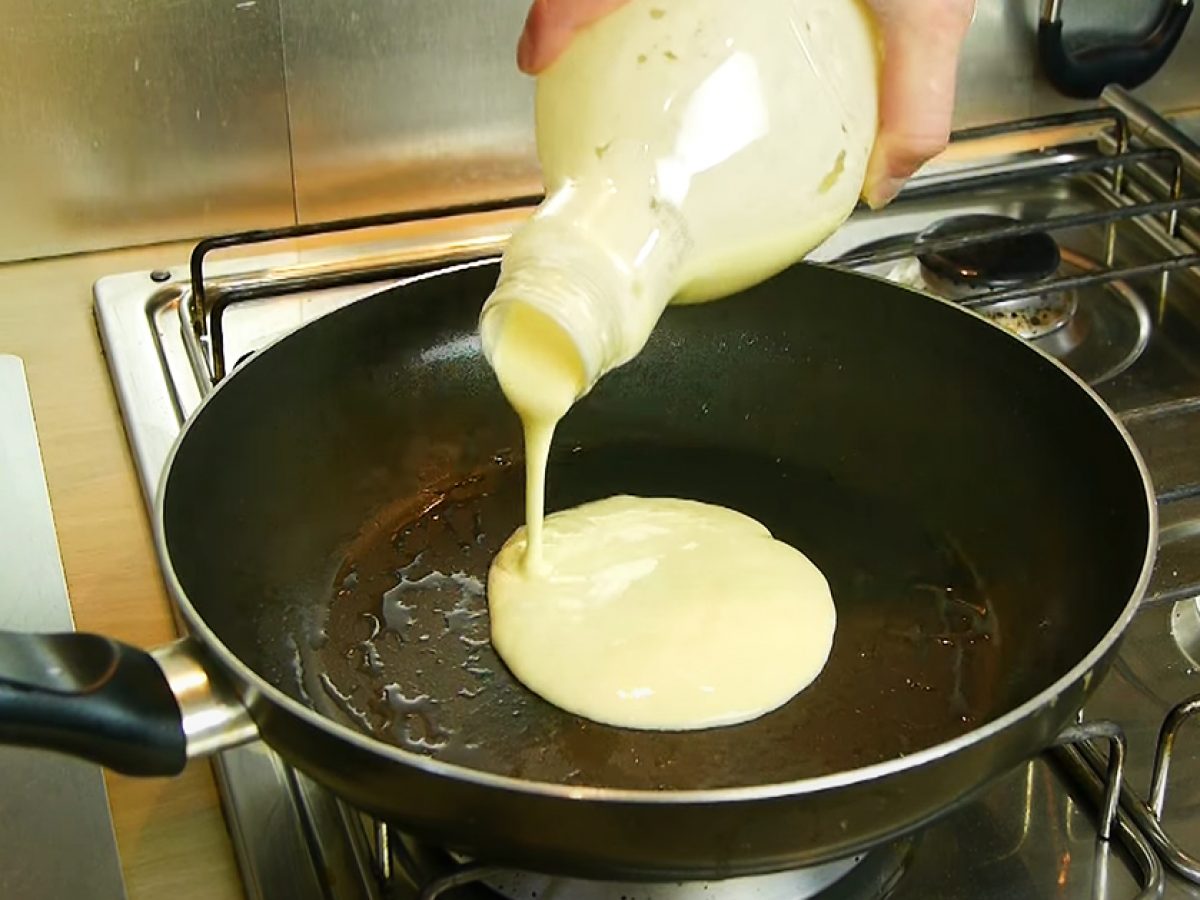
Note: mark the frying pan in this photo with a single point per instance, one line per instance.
(327, 517)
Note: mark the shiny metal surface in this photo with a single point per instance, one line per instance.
(1029, 838)
(406, 104)
(1086, 772)
(865, 877)
(1033, 840)
(132, 122)
(1150, 125)
(803, 884)
(1026, 838)
(214, 719)
(1148, 680)
(1159, 779)
(1114, 775)
(799, 884)
(999, 78)
(138, 121)
(292, 839)
(51, 808)
(155, 408)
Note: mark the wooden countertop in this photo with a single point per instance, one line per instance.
(171, 833)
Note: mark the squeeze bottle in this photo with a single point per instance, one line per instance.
(689, 148)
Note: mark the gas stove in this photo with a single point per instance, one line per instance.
(1080, 232)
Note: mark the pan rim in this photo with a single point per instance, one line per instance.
(260, 687)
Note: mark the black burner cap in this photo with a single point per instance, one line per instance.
(991, 264)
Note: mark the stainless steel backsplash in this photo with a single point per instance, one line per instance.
(135, 121)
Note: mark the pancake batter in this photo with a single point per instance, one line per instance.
(541, 375)
(644, 613)
(661, 614)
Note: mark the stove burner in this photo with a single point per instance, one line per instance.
(867, 876)
(989, 265)
(996, 265)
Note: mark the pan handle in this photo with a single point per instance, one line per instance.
(135, 712)
(1109, 60)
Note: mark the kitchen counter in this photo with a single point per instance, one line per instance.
(171, 834)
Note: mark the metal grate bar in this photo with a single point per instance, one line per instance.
(1084, 765)
(1006, 177)
(313, 229)
(1088, 279)
(1148, 816)
(257, 290)
(1084, 733)
(901, 250)
(1099, 115)
(204, 307)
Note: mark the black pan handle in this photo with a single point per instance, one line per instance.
(1107, 59)
(91, 697)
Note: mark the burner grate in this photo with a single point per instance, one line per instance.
(1118, 165)
(1148, 815)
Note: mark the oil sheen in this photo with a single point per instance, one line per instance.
(404, 651)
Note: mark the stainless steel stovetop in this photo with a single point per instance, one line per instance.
(1115, 294)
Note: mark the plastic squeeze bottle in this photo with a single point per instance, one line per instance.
(689, 148)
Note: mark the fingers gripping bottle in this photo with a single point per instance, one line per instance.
(690, 148)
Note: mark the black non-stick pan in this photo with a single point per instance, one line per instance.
(329, 515)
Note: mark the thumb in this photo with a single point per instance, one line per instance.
(550, 26)
(921, 42)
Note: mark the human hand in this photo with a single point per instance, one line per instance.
(921, 40)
